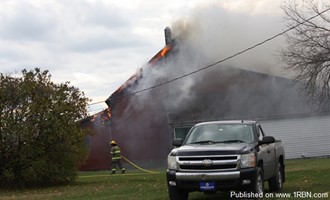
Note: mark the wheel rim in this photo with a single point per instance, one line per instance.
(259, 184)
(279, 178)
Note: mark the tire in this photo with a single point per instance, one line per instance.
(176, 194)
(258, 186)
(276, 182)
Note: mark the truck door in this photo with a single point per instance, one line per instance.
(267, 154)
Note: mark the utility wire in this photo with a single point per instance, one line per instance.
(98, 102)
(220, 61)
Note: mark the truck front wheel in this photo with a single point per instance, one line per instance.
(176, 194)
(259, 183)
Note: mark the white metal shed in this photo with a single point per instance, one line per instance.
(301, 136)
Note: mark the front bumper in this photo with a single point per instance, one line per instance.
(227, 180)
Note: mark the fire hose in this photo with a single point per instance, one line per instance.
(136, 166)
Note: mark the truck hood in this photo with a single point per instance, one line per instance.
(213, 149)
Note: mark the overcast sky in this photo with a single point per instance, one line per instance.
(97, 45)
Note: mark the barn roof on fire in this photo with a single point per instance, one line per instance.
(223, 92)
(133, 80)
(231, 93)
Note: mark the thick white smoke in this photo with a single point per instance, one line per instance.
(209, 34)
(218, 32)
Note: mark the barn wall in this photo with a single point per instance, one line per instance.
(99, 152)
(141, 130)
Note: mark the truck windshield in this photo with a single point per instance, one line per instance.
(220, 133)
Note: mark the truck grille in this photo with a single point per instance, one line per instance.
(208, 163)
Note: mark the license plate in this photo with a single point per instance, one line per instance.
(204, 186)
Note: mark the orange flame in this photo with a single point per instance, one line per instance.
(165, 50)
(162, 53)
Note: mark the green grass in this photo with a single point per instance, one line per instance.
(310, 175)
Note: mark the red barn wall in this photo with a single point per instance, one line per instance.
(142, 132)
(99, 157)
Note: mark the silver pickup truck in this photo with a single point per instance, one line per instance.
(225, 156)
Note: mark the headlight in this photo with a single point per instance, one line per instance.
(171, 162)
(248, 160)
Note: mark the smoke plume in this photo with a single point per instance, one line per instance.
(212, 33)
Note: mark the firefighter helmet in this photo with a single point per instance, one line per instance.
(113, 142)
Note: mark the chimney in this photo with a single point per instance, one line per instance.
(168, 36)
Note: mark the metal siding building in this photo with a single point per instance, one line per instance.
(301, 136)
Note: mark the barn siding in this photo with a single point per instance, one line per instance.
(301, 137)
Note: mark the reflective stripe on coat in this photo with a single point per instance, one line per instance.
(116, 153)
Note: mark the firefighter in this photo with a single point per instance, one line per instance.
(116, 158)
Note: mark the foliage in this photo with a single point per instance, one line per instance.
(308, 48)
(40, 140)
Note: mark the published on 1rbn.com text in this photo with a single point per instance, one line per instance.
(296, 194)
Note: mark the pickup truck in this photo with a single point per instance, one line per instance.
(225, 156)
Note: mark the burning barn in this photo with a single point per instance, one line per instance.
(164, 99)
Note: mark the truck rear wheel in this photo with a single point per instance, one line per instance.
(276, 182)
(176, 194)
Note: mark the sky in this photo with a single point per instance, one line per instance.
(97, 45)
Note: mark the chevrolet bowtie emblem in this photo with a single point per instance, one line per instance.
(207, 162)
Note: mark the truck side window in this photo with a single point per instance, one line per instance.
(260, 133)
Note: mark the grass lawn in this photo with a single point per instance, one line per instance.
(309, 175)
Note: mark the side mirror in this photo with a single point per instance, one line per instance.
(267, 140)
(177, 142)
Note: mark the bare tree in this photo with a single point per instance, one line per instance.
(307, 53)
